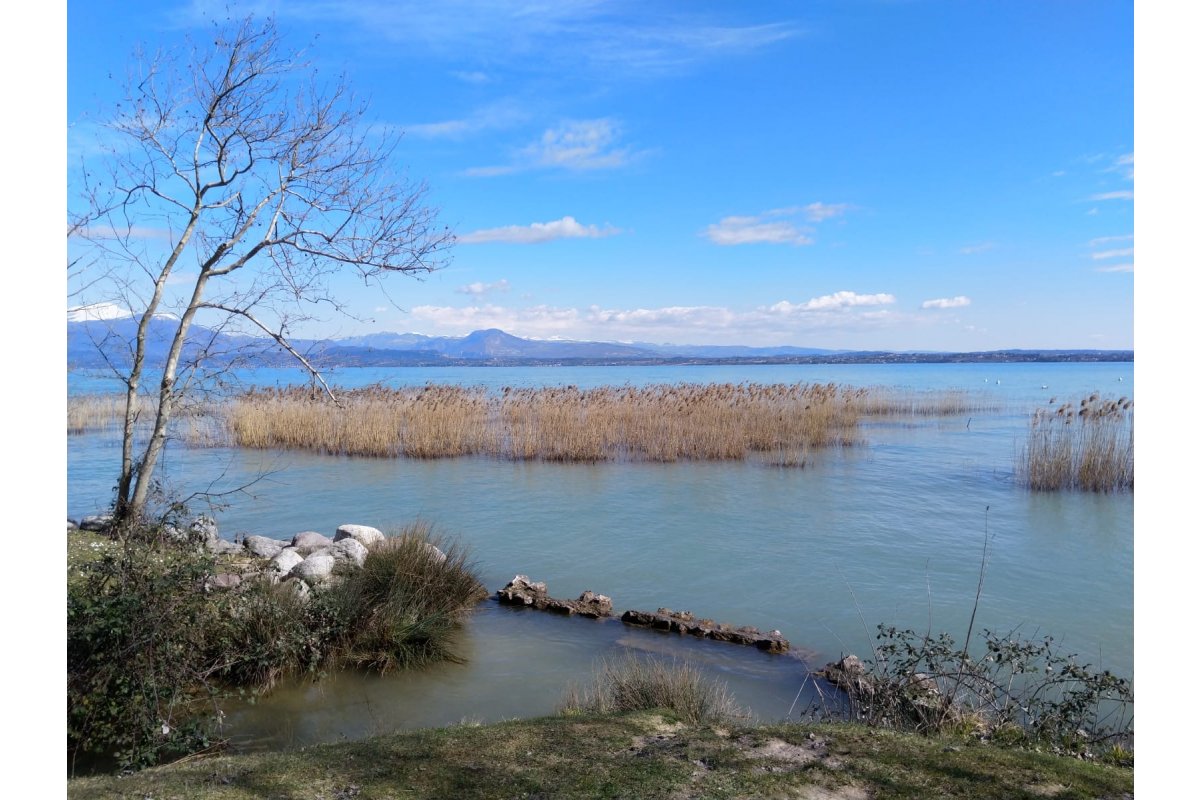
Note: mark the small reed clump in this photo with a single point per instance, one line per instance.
(98, 412)
(1086, 446)
(777, 423)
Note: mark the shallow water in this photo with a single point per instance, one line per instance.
(890, 531)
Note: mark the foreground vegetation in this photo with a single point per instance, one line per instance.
(634, 754)
(1086, 446)
(153, 650)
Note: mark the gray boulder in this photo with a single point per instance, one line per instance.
(315, 568)
(72, 525)
(363, 534)
(263, 547)
(348, 551)
(308, 542)
(285, 561)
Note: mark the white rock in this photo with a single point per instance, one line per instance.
(316, 568)
(285, 561)
(204, 528)
(363, 534)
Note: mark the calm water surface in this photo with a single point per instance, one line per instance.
(891, 531)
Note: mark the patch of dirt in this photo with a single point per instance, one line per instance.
(780, 750)
(1046, 789)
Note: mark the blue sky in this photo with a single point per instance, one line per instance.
(853, 174)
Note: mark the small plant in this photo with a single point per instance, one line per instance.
(633, 684)
(1017, 690)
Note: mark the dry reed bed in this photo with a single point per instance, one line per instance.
(1086, 446)
(779, 423)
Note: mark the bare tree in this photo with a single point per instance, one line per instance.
(238, 175)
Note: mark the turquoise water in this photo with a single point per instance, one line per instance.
(891, 531)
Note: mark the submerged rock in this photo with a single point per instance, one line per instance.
(524, 592)
(685, 622)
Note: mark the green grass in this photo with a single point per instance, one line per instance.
(637, 754)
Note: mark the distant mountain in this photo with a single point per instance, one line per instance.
(98, 342)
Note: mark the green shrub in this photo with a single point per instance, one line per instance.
(633, 683)
(1018, 690)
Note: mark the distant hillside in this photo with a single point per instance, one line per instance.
(97, 343)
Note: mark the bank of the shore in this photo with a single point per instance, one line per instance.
(642, 754)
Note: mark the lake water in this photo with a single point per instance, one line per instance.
(890, 531)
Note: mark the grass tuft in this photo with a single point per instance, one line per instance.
(638, 684)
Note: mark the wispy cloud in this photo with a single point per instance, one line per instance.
(773, 227)
(538, 232)
(633, 40)
(947, 302)
(1121, 253)
(575, 145)
(494, 116)
(1122, 194)
(1112, 252)
(142, 232)
(973, 249)
(476, 77)
(478, 289)
(1128, 237)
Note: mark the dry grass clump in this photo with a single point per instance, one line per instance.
(97, 412)
(1088, 446)
(637, 684)
(777, 423)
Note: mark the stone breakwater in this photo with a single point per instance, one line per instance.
(306, 560)
(521, 591)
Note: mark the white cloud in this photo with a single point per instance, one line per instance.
(769, 227)
(947, 302)
(755, 230)
(833, 302)
(844, 312)
(1128, 237)
(478, 288)
(97, 311)
(575, 145)
(537, 232)
(1123, 194)
(1116, 268)
(1121, 253)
